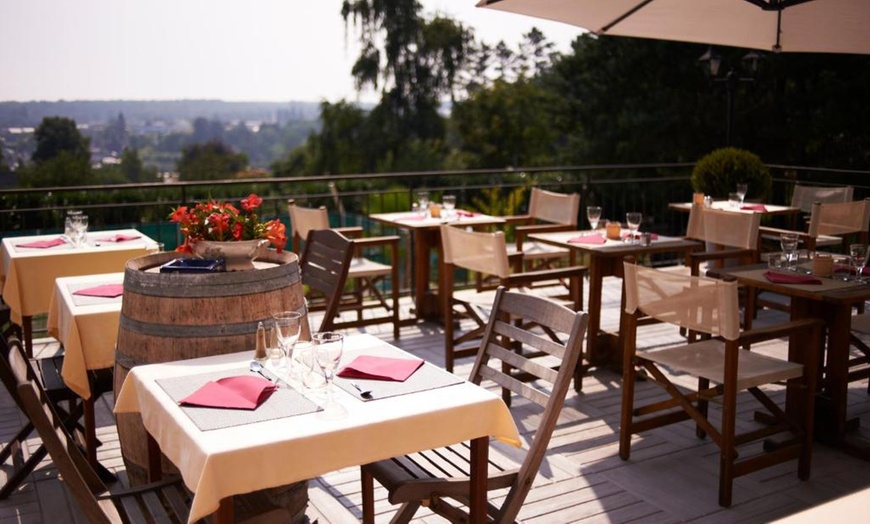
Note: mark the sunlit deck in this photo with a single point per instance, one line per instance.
(672, 476)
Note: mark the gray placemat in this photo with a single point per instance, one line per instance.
(83, 300)
(428, 376)
(282, 403)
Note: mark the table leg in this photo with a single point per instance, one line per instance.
(155, 468)
(90, 431)
(477, 495)
(837, 368)
(593, 327)
(224, 514)
(27, 333)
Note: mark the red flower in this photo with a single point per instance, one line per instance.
(251, 203)
(276, 234)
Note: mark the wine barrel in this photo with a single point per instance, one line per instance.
(176, 316)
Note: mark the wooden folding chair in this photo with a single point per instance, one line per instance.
(722, 368)
(548, 211)
(161, 502)
(433, 477)
(731, 235)
(368, 276)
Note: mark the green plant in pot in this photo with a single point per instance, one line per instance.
(718, 173)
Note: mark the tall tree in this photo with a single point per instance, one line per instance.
(210, 161)
(58, 134)
(115, 136)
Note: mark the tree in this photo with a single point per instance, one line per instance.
(3, 167)
(58, 134)
(115, 136)
(210, 161)
(134, 170)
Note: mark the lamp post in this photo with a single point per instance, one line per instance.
(713, 62)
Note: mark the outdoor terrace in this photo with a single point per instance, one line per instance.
(671, 477)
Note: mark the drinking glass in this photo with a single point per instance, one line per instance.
(423, 202)
(593, 213)
(842, 269)
(741, 192)
(328, 347)
(788, 242)
(449, 203)
(287, 326)
(734, 200)
(858, 252)
(633, 220)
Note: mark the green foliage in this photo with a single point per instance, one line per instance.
(56, 135)
(719, 172)
(64, 169)
(493, 202)
(210, 161)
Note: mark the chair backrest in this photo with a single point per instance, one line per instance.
(727, 228)
(558, 208)
(324, 266)
(804, 197)
(511, 311)
(839, 218)
(699, 304)
(475, 250)
(305, 219)
(79, 477)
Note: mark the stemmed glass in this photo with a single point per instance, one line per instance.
(287, 326)
(741, 192)
(633, 220)
(788, 242)
(328, 347)
(593, 213)
(859, 253)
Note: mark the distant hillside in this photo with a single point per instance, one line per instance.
(30, 114)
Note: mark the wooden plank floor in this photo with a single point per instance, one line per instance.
(671, 477)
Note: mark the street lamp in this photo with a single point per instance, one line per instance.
(713, 62)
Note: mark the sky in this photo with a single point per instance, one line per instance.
(234, 50)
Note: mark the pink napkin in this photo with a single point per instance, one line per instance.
(652, 236)
(785, 278)
(43, 243)
(754, 207)
(105, 290)
(466, 214)
(380, 368)
(118, 238)
(587, 239)
(242, 392)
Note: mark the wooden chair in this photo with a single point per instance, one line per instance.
(160, 502)
(710, 306)
(324, 266)
(433, 477)
(368, 276)
(859, 367)
(733, 235)
(548, 212)
(486, 253)
(803, 197)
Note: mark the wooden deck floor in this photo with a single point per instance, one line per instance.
(671, 477)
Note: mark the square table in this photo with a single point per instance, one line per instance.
(87, 327)
(28, 274)
(425, 236)
(832, 301)
(605, 260)
(219, 463)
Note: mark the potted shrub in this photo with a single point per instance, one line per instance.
(718, 173)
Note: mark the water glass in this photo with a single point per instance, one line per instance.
(449, 203)
(733, 200)
(789, 242)
(423, 202)
(842, 269)
(593, 214)
(741, 192)
(774, 261)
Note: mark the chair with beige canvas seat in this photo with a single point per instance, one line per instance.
(368, 276)
(722, 368)
(439, 478)
(803, 197)
(486, 253)
(548, 212)
(730, 236)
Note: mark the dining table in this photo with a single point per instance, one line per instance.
(221, 453)
(29, 266)
(605, 257)
(426, 238)
(747, 207)
(830, 300)
(83, 317)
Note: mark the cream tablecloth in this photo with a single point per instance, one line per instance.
(86, 326)
(224, 462)
(28, 274)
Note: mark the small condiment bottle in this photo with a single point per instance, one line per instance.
(260, 349)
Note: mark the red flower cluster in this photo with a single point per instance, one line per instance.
(221, 221)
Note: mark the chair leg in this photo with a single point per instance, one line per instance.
(625, 427)
(368, 496)
(703, 406)
(405, 513)
(727, 451)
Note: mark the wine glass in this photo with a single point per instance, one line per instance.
(593, 214)
(788, 242)
(328, 347)
(633, 220)
(858, 252)
(287, 326)
(741, 192)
